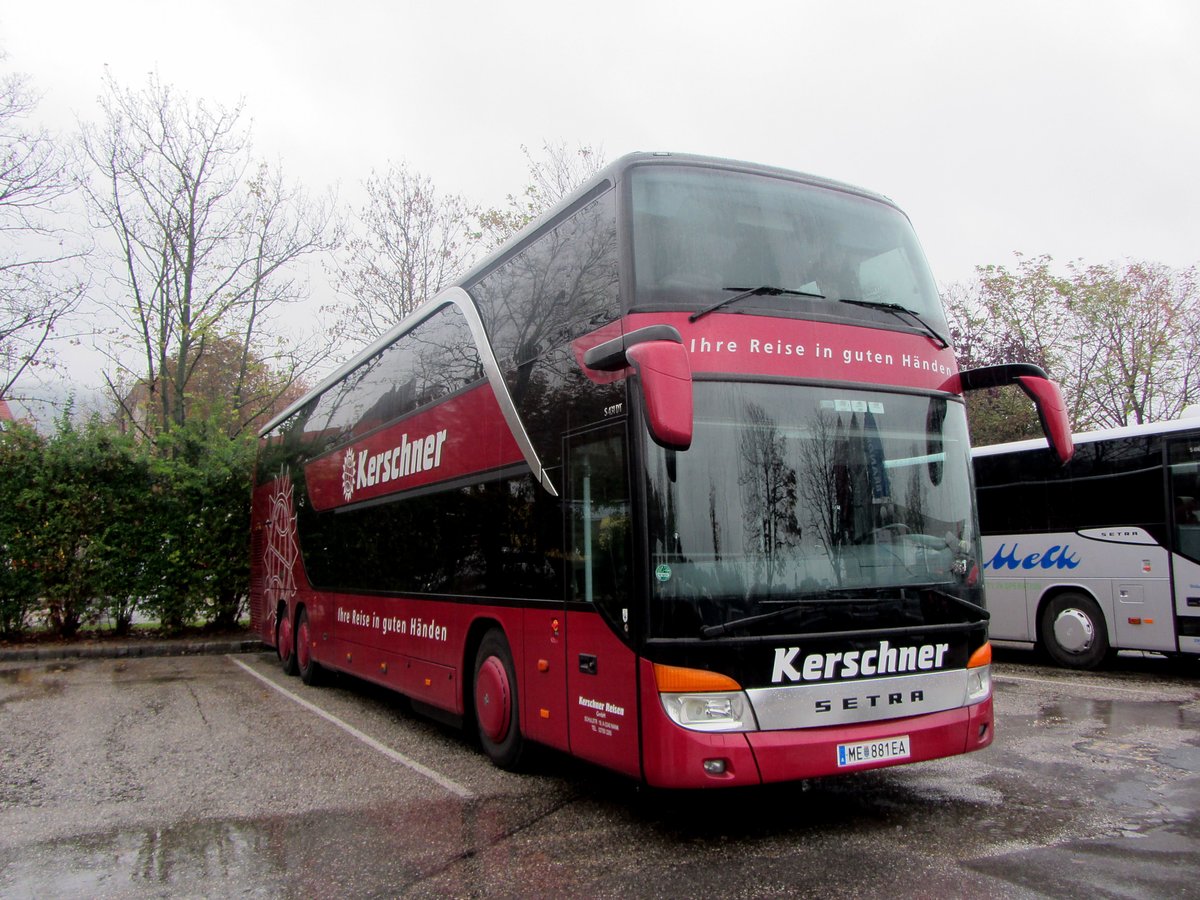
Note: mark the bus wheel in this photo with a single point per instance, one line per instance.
(1073, 631)
(310, 670)
(496, 712)
(285, 644)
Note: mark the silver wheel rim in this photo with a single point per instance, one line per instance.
(1074, 631)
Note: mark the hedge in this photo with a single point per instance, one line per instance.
(95, 525)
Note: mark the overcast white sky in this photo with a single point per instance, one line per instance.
(1068, 128)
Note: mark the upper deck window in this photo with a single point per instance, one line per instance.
(699, 231)
(436, 358)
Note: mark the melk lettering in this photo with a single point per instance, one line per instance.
(1056, 557)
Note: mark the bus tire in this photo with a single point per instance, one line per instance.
(285, 643)
(310, 670)
(497, 717)
(1073, 631)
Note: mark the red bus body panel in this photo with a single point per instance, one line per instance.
(768, 347)
(542, 679)
(602, 696)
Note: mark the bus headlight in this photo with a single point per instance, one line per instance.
(710, 712)
(979, 684)
(979, 674)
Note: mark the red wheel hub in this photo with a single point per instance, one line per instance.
(285, 638)
(493, 699)
(303, 649)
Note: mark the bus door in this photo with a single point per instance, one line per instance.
(601, 667)
(1183, 455)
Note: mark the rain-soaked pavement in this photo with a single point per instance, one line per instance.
(194, 776)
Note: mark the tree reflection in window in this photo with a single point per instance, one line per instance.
(768, 483)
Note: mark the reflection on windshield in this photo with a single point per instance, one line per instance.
(790, 493)
(696, 231)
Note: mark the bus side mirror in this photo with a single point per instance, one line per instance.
(657, 355)
(1044, 393)
(666, 376)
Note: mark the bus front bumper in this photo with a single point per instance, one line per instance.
(678, 758)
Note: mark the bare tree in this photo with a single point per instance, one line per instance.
(411, 242)
(553, 174)
(822, 469)
(38, 290)
(204, 243)
(1137, 352)
(769, 492)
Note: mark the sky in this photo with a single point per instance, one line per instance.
(1065, 128)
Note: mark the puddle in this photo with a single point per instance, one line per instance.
(28, 674)
(34, 682)
(371, 852)
(186, 857)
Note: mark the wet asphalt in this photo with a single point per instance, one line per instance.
(199, 776)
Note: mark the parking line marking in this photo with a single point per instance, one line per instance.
(452, 786)
(1158, 695)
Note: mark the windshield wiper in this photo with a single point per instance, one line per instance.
(898, 310)
(710, 631)
(743, 293)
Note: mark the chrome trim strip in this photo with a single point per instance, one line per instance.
(863, 700)
(491, 369)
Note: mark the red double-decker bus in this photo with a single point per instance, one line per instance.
(677, 482)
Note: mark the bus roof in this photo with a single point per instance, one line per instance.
(1103, 434)
(615, 172)
(606, 178)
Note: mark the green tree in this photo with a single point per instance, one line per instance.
(206, 482)
(97, 523)
(67, 504)
(1121, 340)
(128, 574)
(21, 451)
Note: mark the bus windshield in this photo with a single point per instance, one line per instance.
(699, 233)
(811, 496)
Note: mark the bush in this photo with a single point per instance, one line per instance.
(204, 479)
(20, 456)
(94, 523)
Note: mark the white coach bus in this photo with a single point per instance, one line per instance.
(1099, 555)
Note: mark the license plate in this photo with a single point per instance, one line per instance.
(866, 752)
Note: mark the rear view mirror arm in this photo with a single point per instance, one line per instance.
(1041, 390)
(657, 356)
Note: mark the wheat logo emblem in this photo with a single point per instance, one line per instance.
(348, 475)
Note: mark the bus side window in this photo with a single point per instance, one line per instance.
(1185, 491)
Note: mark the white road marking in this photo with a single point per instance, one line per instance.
(450, 785)
(1091, 685)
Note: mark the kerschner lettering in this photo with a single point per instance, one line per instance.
(882, 660)
(406, 458)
